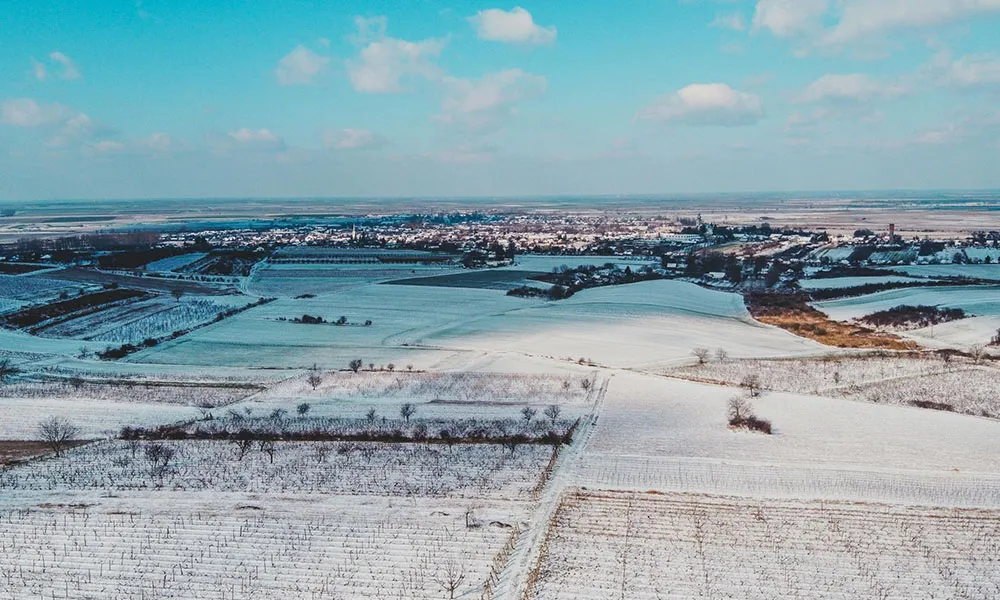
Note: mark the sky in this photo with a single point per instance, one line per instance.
(293, 98)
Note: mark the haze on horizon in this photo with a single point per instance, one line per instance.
(156, 99)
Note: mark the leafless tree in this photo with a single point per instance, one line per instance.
(409, 367)
(450, 578)
(553, 412)
(177, 293)
(740, 409)
(371, 415)
(721, 355)
(133, 445)
(159, 457)
(978, 353)
(528, 414)
(76, 382)
(268, 448)
(406, 411)
(57, 432)
(701, 354)
(244, 443)
(751, 383)
(355, 365)
(315, 377)
(391, 367)
(303, 408)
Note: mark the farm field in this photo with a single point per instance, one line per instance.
(834, 283)
(642, 325)
(823, 448)
(648, 546)
(175, 263)
(985, 272)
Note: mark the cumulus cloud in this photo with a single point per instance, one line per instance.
(245, 139)
(69, 70)
(855, 87)
(706, 104)
(975, 71)
(26, 112)
(864, 18)
(352, 139)
(516, 26)
(384, 62)
(481, 105)
(788, 18)
(39, 70)
(300, 66)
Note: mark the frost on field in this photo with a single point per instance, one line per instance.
(334, 549)
(78, 391)
(463, 387)
(464, 470)
(648, 546)
(957, 385)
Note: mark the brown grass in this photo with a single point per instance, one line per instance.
(13, 451)
(792, 313)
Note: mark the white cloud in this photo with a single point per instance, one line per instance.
(706, 104)
(516, 26)
(352, 139)
(733, 21)
(246, 136)
(481, 105)
(300, 66)
(39, 70)
(25, 112)
(69, 70)
(975, 71)
(245, 139)
(788, 18)
(850, 88)
(865, 18)
(383, 64)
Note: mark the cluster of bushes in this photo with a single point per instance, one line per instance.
(906, 316)
(445, 432)
(311, 320)
(741, 416)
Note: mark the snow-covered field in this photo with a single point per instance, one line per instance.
(886, 379)
(849, 282)
(647, 546)
(986, 272)
(981, 304)
(671, 435)
(15, 287)
(95, 418)
(341, 468)
(174, 263)
(545, 264)
(213, 546)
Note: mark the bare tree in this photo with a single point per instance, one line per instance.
(409, 368)
(315, 377)
(76, 382)
(528, 413)
(177, 293)
(450, 578)
(391, 367)
(978, 353)
(721, 355)
(268, 448)
(740, 409)
(701, 354)
(244, 443)
(355, 365)
(371, 415)
(751, 383)
(586, 384)
(553, 412)
(159, 457)
(303, 408)
(406, 411)
(57, 432)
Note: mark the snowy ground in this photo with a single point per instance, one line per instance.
(981, 303)
(647, 546)
(849, 282)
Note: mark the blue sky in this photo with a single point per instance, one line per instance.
(182, 98)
